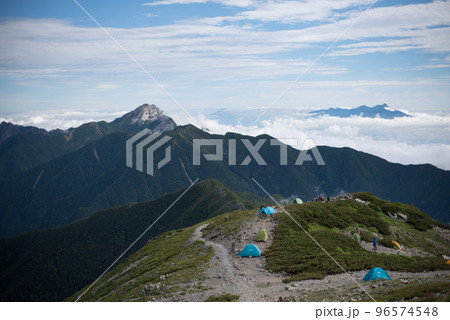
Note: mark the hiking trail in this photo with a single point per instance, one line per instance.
(249, 279)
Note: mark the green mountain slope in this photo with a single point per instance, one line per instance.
(295, 253)
(8, 130)
(176, 267)
(22, 148)
(95, 177)
(52, 264)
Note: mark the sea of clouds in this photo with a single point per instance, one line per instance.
(422, 138)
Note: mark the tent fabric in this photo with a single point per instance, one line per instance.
(262, 236)
(356, 237)
(251, 250)
(296, 201)
(448, 262)
(376, 273)
(397, 244)
(267, 210)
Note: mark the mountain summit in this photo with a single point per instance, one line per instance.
(383, 111)
(146, 112)
(146, 115)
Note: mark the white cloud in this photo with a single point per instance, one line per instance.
(108, 86)
(421, 139)
(195, 47)
(234, 3)
(298, 11)
(61, 119)
(238, 60)
(171, 2)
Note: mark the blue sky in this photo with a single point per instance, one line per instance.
(57, 68)
(232, 54)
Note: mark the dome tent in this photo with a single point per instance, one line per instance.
(267, 210)
(262, 236)
(376, 273)
(296, 201)
(251, 250)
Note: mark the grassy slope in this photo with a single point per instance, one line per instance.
(52, 264)
(168, 265)
(171, 256)
(295, 253)
(292, 252)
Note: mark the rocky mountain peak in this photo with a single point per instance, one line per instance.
(144, 113)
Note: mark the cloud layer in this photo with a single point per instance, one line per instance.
(421, 139)
(424, 138)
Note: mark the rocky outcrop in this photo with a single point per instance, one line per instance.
(145, 116)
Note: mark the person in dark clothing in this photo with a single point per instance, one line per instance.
(374, 244)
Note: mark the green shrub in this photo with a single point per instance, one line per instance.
(295, 253)
(223, 298)
(367, 196)
(418, 292)
(366, 236)
(388, 242)
(416, 218)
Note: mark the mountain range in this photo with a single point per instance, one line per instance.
(71, 257)
(381, 111)
(23, 148)
(246, 117)
(94, 177)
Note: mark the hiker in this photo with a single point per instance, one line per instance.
(374, 244)
(261, 209)
(320, 198)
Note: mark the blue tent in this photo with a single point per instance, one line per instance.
(376, 273)
(267, 210)
(250, 250)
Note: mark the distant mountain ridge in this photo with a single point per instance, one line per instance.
(22, 148)
(8, 130)
(381, 111)
(95, 177)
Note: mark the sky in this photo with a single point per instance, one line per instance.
(58, 68)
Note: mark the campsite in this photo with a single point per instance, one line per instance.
(274, 260)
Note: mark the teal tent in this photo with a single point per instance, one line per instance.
(376, 273)
(250, 250)
(268, 210)
(296, 201)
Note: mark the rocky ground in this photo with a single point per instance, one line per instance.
(251, 281)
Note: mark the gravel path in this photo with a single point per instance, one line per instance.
(251, 281)
(404, 252)
(224, 269)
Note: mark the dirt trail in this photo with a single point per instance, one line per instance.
(410, 252)
(224, 269)
(251, 281)
(232, 274)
